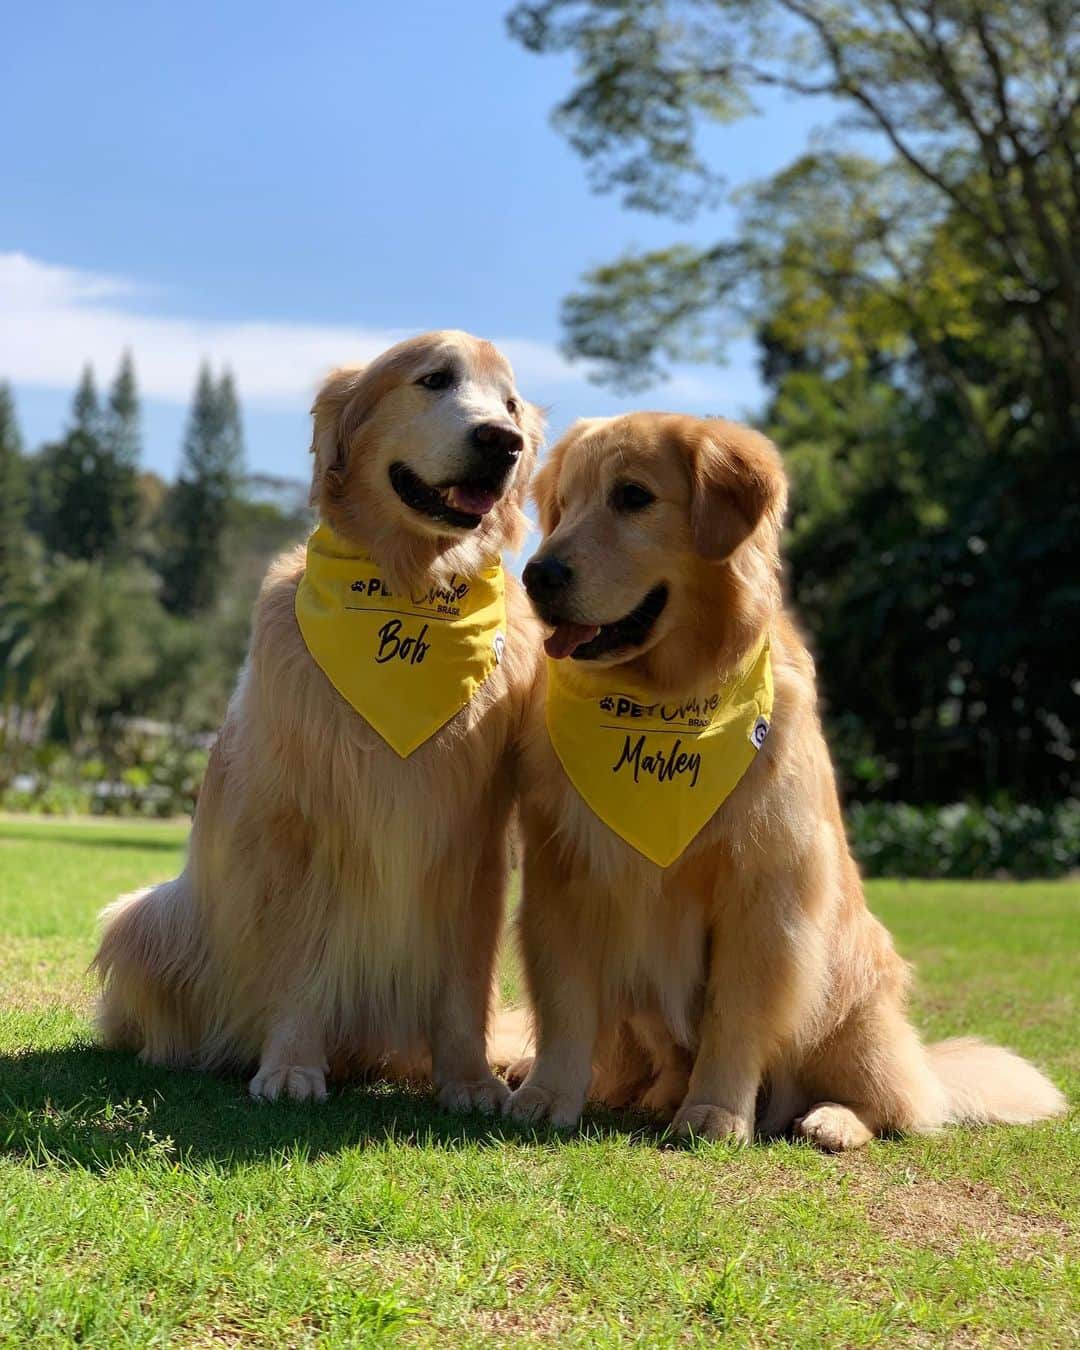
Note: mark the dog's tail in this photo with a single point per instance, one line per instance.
(985, 1084)
(148, 962)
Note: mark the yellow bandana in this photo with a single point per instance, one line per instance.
(657, 772)
(406, 663)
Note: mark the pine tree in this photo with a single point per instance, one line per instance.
(85, 410)
(88, 497)
(232, 428)
(13, 502)
(121, 437)
(198, 507)
(123, 415)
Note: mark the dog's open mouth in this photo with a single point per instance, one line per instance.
(463, 505)
(587, 642)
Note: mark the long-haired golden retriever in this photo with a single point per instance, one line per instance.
(340, 904)
(752, 959)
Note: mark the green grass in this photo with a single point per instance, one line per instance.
(143, 1207)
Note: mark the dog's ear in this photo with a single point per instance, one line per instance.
(545, 483)
(346, 400)
(738, 481)
(531, 421)
(329, 439)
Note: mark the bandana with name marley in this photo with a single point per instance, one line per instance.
(407, 662)
(657, 772)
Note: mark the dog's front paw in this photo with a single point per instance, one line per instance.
(300, 1082)
(485, 1094)
(532, 1104)
(832, 1128)
(702, 1120)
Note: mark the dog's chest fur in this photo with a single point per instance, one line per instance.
(393, 845)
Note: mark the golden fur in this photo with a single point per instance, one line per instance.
(753, 960)
(340, 907)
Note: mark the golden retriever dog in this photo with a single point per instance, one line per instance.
(341, 902)
(750, 963)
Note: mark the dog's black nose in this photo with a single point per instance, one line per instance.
(497, 442)
(545, 578)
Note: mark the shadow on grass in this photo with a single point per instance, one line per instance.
(84, 838)
(82, 1107)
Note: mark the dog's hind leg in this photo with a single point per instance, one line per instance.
(784, 1101)
(671, 1064)
(835, 1128)
(150, 961)
(869, 1077)
(623, 1069)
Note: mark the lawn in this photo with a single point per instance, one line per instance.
(139, 1206)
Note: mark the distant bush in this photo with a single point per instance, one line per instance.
(891, 839)
(154, 777)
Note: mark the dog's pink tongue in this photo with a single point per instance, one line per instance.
(567, 637)
(473, 501)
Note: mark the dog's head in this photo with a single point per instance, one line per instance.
(657, 527)
(431, 442)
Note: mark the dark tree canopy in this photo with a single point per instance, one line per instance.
(914, 285)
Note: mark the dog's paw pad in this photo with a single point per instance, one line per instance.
(298, 1082)
(705, 1121)
(832, 1128)
(534, 1105)
(487, 1095)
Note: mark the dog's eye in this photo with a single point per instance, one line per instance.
(436, 379)
(631, 497)
(513, 407)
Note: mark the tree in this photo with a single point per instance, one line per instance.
(198, 507)
(123, 415)
(232, 426)
(13, 503)
(976, 99)
(916, 300)
(90, 644)
(86, 495)
(85, 409)
(121, 437)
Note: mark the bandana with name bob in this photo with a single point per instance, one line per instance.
(406, 662)
(655, 773)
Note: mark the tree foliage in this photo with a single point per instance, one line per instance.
(86, 489)
(13, 502)
(198, 508)
(914, 285)
(97, 677)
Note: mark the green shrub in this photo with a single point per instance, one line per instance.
(146, 776)
(964, 840)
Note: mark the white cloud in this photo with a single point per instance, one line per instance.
(54, 318)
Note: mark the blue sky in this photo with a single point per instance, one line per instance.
(283, 187)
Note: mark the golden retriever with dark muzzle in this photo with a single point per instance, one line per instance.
(342, 899)
(746, 955)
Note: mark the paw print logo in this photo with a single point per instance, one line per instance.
(607, 703)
